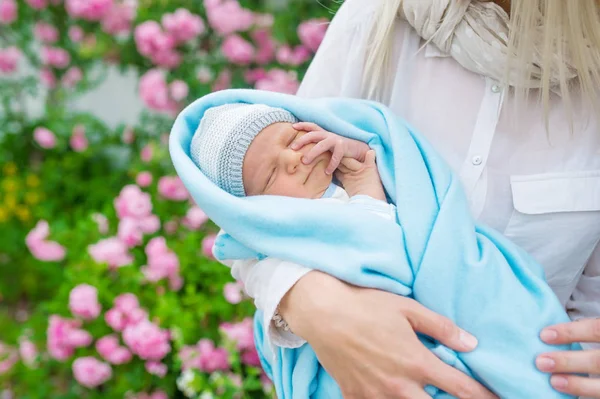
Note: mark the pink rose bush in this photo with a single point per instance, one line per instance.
(117, 293)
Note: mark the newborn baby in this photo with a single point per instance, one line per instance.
(254, 149)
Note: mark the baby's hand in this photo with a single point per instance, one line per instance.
(361, 177)
(340, 147)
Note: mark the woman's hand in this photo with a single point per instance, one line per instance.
(563, 364)
(339, 146)
(366, 340)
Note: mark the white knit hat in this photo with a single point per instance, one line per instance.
(223, 137)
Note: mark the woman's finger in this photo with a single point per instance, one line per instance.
(438, 327)
(306, 126)
(310, 137)
(586, 330)
(336, 158)
(570, 362)
(575, 385)
(452, 381)
(318, 149)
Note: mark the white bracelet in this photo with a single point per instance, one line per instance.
(279, 322)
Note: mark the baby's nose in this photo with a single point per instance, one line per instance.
(290, 159)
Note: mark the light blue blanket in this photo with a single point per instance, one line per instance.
(436, 253)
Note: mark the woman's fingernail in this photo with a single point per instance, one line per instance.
(467, 339)
(559, 382)
(305, 160)
(545, 363)
(549, 335)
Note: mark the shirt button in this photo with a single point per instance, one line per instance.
(476, 160)
(496, 89)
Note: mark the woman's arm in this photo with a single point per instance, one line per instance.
(366, 340)
(584, 308)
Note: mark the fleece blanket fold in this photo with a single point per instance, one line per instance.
(435, 254)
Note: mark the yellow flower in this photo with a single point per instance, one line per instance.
(32, 198)
(10, 201)
(10, 185)
(23, 213)
(4, 215)
(32, 181)
(10, 169)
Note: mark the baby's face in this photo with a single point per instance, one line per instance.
(271, 167)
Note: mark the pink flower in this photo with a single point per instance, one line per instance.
(91, 10)
(129, 232)
(233, 293)
(279, 81)
(228, 16)
(101, 221)
(171, 227)
(195, 218)
(37, 4)
(156, 368)
(204, 356)
(56, 57)
(9, 58)
(162, 262)
(44, 137)
(294, 57)
(47, 78)
(266, 46)
(223, 81)
(8, 358)
(149, 224)
(204, 74)
(171, 187)
(147, 340)
(78, 140)
(90, 372)
(183, 25)
(126, 312)
(207, 245)
(237, 50)
(312, 32)
(45, 33)
(154, 92)
(157, 45)
(252, 76)
(119, 18)
(147, 153)
(28, 352)
(133, 202)
(72, 77)
(144, 179)
(178, 89)
(76, 34)
(108, 347)
(64, 336)
(241, 333)
(8, 12)
(128, 135)
(250, 357)
(83, 302)
(111, 251)
(42, 249)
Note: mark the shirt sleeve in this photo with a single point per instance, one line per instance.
(267, 281)
(378, 207)
(585, 300)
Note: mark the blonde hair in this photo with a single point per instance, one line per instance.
(570, 29)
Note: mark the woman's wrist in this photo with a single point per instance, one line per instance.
(306, 302)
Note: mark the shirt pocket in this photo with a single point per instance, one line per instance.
(556, 218)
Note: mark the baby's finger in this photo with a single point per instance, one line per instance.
(317, 150)
(352, 164)
(306, 126)
(370, 157)
(310, 137)
(336, 158)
